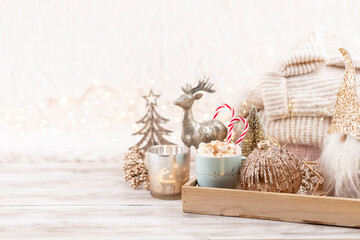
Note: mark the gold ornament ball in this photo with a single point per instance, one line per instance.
(273, 169)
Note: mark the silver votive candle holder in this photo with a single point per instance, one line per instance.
(169, 169)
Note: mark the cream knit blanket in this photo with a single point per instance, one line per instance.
(296, 100)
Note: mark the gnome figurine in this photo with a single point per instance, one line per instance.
(340, 158)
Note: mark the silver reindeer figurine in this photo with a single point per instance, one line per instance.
(193, 132)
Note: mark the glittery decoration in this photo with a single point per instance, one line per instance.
(152, 131)
(271, 170)
(311, 177)
(135, 168)
(347, 108)
(255, 134)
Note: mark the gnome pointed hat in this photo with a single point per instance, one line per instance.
(347, 108)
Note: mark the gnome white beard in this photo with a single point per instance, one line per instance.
(340, 163)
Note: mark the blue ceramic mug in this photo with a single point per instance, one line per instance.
(218, 172)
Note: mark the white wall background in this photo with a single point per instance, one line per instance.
(51, 52)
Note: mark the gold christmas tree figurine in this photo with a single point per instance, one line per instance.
(152, 130)
(256, 133)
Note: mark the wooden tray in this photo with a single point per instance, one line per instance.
(271, 206)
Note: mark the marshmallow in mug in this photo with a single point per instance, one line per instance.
(218, 149)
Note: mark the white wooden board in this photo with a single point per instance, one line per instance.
(91, 201)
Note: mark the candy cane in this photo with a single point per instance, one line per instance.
(231, 126)
(224, 105)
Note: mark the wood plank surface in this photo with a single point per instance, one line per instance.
(272, 206)
(91, 201)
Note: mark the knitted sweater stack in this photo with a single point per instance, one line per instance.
(296, 100)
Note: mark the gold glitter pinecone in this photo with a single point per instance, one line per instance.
(273, 169)
(135, 168)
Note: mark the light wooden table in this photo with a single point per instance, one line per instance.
(92, 201)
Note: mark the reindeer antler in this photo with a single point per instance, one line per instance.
(203, 85)
(187, 88)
